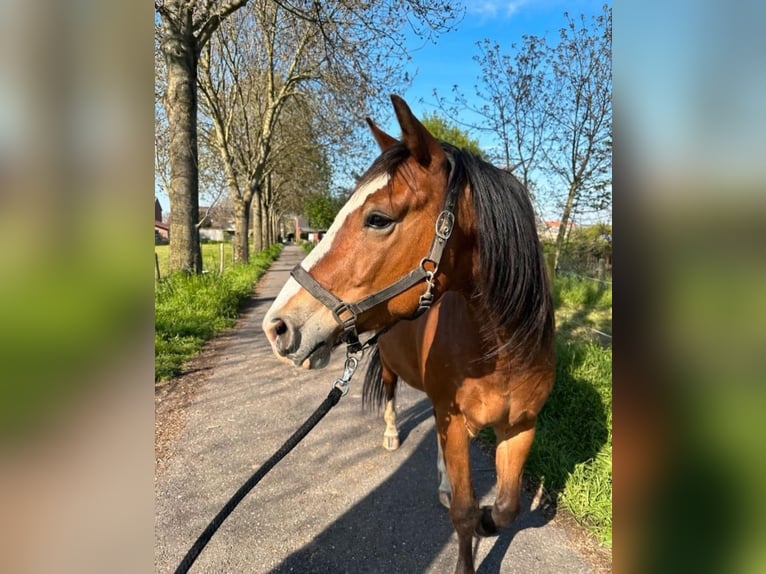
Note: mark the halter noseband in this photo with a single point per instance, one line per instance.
(346, 313)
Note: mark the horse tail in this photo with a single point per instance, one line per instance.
(373, 390)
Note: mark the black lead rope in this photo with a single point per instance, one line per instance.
(340, 388)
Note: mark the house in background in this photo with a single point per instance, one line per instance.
(297, 226)
(217, 222)
(161, 228)
(549, 230)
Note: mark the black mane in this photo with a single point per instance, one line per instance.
(513, 289)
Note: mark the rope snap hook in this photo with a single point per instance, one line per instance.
(342, 383)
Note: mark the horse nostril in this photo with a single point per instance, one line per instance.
(280, 327)
(284, 337)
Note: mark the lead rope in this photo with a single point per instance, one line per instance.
(339, 389)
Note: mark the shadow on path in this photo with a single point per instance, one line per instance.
(400, 526)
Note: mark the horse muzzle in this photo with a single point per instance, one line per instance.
(302, 346)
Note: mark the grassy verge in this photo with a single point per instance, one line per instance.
(211, 257)
(572, 452)
(307, 246)
(583, 308)
(190, 309)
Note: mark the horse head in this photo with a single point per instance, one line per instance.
(385, 257)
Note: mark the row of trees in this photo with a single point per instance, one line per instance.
(254, 97)
(548, 107)
(256, 94)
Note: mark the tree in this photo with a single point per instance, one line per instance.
(581, 117)
(548, 107)
(301, 166)
(321, 209)
(331, 60)
(510, 102)
(182, 30)
(442, 130)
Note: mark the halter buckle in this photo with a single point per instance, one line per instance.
(444, 224)
(347, 323)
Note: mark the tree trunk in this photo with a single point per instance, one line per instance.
(268, 237)
(241, 244)
(181, 107)
(274, 228)
(257, 224)
(562, 234)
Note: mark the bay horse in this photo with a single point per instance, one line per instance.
(436, 253)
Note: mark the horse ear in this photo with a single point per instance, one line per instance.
(384, 140)
(422, 145)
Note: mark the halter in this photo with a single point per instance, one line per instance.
(346, 313)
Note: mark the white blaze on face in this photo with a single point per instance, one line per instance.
(323, 247)
(355, 202)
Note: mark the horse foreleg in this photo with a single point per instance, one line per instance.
(391, 436)
(511, 453)
(464, 511)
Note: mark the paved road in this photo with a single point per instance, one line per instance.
(339, 502)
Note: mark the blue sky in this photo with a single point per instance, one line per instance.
(450, 60)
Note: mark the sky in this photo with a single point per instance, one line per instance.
(449, 60)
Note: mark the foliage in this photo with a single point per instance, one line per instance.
(585, 247)
(547, 104)
(190, 309)
(321, 209)
(270, 70)
(580, 154)
(443, 130)
(510, 102)
(581, 110)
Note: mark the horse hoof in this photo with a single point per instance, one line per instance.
(391, 442)
(444, 498)
(486, 526)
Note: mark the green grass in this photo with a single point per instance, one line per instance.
(211, 257)
(572, 452)
(583, 306)
(190, 309)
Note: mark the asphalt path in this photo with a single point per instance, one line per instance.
(337, 503)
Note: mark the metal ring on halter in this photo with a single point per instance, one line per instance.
(429, 274)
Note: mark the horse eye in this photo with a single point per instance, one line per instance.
(378, 221)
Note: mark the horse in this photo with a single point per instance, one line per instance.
(468, 318)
